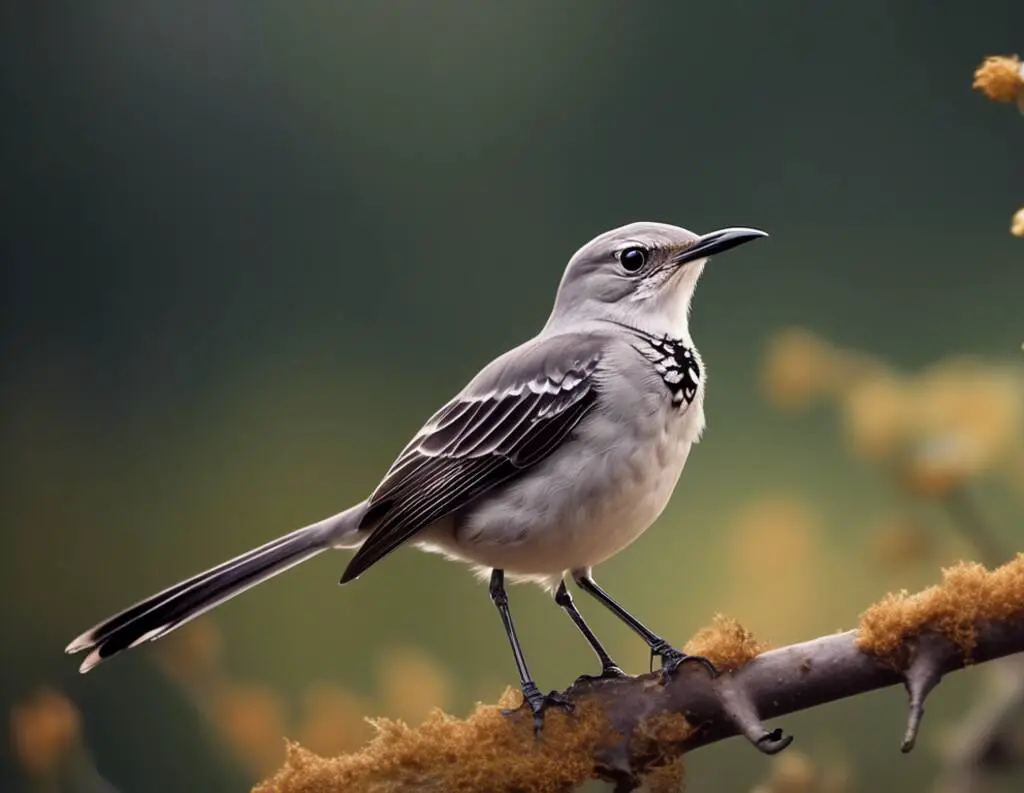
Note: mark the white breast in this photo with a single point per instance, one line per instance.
(590, 499)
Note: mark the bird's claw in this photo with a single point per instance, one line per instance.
(607, 673)
(671, 659)
(538, 703)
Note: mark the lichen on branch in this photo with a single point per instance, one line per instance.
(968, 596)
(636, 730)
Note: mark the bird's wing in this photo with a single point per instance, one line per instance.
(510, 417)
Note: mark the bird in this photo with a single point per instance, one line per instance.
(555, 457)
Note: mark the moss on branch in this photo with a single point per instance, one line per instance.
(636, 730)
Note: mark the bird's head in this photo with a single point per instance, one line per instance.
(643, 274)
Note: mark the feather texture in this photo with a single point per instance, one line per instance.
(509, 418)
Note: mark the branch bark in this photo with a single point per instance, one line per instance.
(780, 682)
(626, 730)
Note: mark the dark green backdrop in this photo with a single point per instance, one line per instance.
(247, 247)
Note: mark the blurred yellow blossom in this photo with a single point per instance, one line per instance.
(412, 684)
(774, 547)
(876, 414)
(334, 720)
(1017, 223)
(191, 655)
(1001, 79)
(936, 468)
(45, 729)
(899, 541)
(800, 367)
(970, 411)
(954, 420)
(251, 717)
(797, 368)
(791, 772)
(794, 772)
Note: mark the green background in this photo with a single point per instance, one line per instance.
(249, 247)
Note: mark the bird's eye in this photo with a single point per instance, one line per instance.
(632, 259)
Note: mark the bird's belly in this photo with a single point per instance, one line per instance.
(582, 505)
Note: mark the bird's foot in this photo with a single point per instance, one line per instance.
(671, 658)
(538, 703)
(610, 672)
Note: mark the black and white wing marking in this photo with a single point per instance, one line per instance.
(509, 418)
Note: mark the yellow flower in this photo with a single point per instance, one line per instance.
(1001, 78)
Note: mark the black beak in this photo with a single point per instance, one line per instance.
(717, 242)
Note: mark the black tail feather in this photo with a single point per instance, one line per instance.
(161, 613)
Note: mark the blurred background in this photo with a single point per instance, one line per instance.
(248, 247)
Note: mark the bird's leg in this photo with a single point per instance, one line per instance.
(531, 694)
(609, 668)
(670, 657)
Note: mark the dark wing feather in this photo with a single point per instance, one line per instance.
(512, 416)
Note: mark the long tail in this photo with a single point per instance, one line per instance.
(161, 613)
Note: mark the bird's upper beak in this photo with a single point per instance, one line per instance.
(716, 242)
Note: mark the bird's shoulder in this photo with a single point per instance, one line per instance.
(540, 363)
(512, 415)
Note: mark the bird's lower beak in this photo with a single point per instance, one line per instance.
(716, 242)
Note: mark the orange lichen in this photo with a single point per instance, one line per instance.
(485, 752)
(45, 729)
(654, 747)
(726, 643)
(968, 594)
(662, 728)
(667, 778)
(1000, 78)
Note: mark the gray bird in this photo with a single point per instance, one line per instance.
(554, 458)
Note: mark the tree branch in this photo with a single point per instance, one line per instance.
(633, 730)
